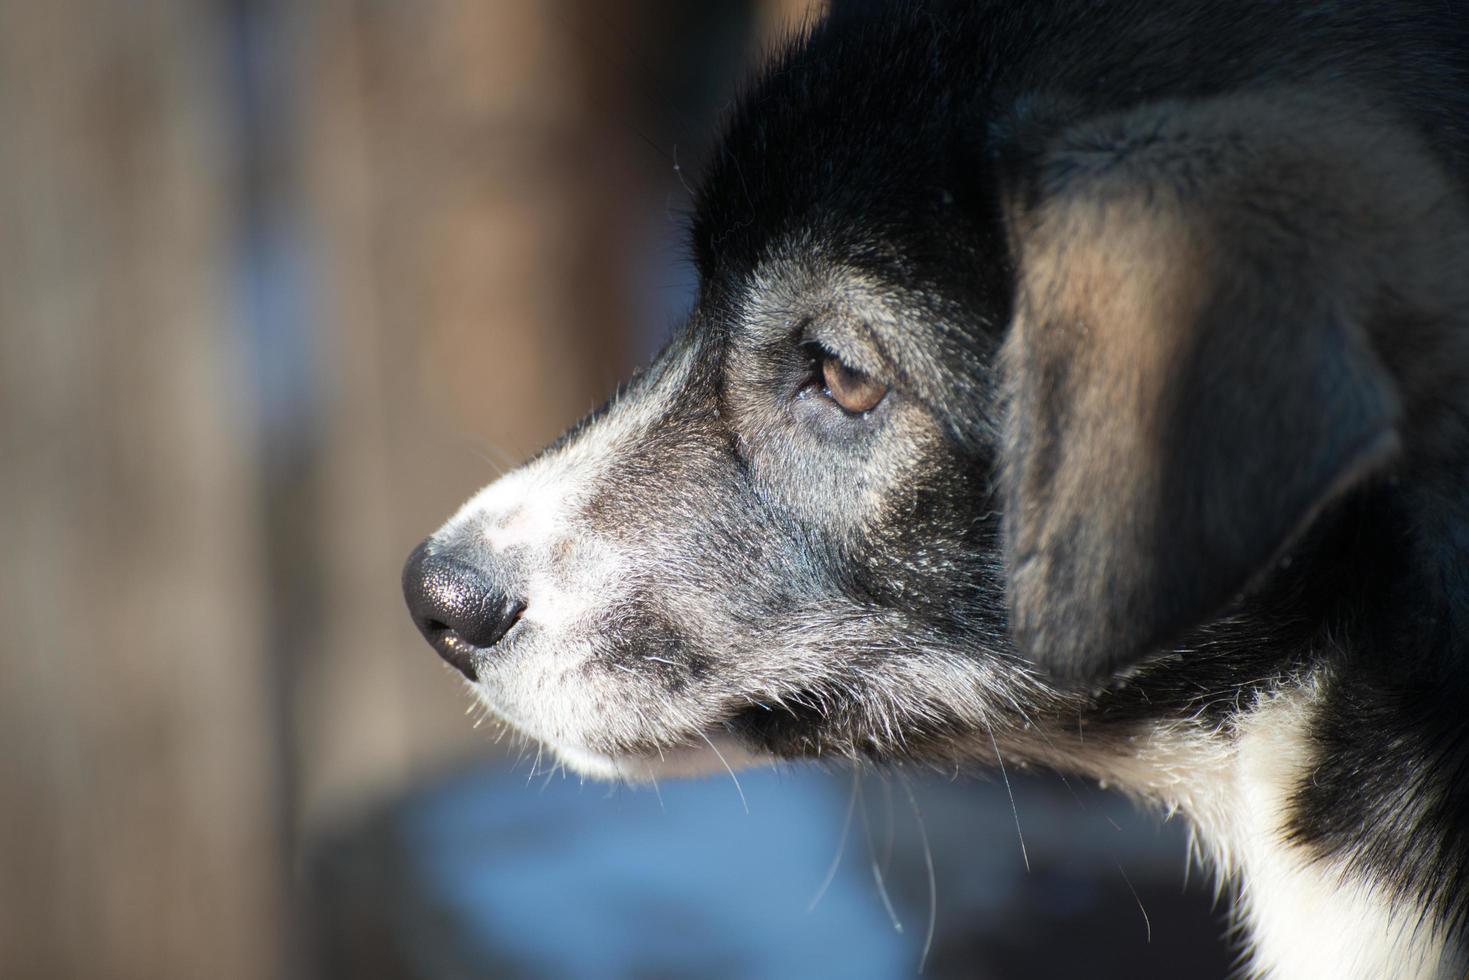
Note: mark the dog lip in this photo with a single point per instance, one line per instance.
(778, 727)
(456, 651)
(713, 749)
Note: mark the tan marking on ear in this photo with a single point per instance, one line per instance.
(1125, 281)
(1227, 314)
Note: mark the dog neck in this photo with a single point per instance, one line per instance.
(1328, 784)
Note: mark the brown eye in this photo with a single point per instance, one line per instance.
(850, 388)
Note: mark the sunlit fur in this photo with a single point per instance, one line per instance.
(1001, 211)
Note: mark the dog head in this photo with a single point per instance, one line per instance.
(988, 402)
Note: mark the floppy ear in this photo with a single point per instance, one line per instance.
(1190, 375)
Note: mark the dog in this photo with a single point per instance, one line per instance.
(1084, 383)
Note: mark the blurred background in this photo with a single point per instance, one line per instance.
(281, 283)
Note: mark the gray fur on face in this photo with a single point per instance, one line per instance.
(723, 554)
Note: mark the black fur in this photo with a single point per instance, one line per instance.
(815, 583)
(883, 138)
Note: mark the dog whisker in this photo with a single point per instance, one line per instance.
(720, 756)
(1147, 923)
(933, 889)
(841, 849)
(1014, 810)
(876, 868)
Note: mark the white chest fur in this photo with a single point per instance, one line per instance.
(1307, 919)
(1303, 918)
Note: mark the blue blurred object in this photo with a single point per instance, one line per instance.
(571, 880)
(488, 874)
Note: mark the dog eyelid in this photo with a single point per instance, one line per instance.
(854, 391)
(833, 376)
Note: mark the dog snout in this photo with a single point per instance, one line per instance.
(459, 607)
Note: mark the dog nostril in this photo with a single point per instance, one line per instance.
(457, 606)
(482, 623)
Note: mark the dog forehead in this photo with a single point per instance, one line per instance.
(805, 281)
(827, 141)
(802, 281)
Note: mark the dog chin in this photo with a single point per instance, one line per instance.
(720, 754)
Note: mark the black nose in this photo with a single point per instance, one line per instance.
(457, 607)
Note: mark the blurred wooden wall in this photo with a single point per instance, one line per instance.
(138, 828)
